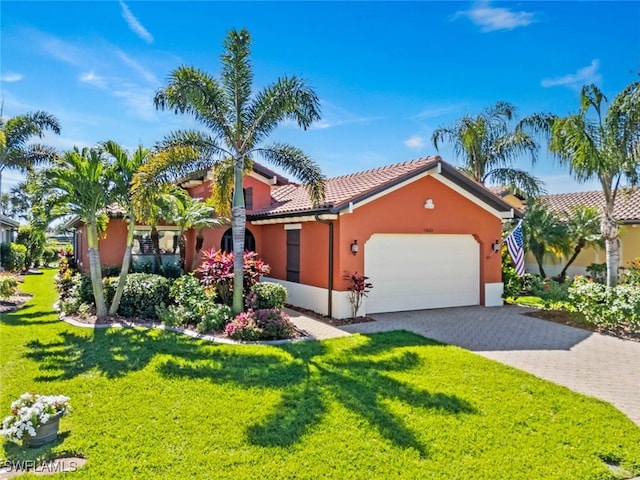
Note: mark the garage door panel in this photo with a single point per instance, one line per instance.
(411, 272)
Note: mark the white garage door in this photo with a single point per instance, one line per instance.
(414, 272)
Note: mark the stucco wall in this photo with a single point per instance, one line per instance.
(401, 211)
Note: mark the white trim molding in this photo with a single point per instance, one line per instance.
(316, 298)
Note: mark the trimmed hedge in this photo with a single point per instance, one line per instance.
(13, 256)
(269, 295)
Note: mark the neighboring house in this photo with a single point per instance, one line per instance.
(8, 227)
(422, 231)
(514, 199)
(626, 211)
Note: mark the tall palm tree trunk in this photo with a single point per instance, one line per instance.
(610, 232)
(238, 221)
(95, 269)
(126, 263)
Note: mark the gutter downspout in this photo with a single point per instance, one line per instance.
(330, 278)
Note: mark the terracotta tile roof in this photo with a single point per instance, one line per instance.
(340, 191)
(627, 208)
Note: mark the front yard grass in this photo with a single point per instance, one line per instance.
(153, 404)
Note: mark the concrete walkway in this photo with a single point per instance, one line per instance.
(597, 365)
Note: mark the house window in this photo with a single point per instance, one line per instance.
(248, 198)
(293, 256)
(226, 244)
(168, 241)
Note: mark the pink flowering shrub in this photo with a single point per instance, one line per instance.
(217, 271)
(262, 324)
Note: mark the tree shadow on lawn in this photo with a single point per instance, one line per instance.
(29, 314)
(316, 374)
(113, 352)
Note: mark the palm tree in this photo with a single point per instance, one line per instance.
(187, 213)
(80, 180)
(238, 124)
(15, 133)
(606, 149)
(123, 169)
(543, 233)
(583, 230)
(488, 148)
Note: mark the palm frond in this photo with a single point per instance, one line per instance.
(194, 92)
(288, 98)
(296, 163)
(18, 130)
(520, 179)
(237, 78)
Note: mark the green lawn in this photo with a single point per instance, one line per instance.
(153, 404)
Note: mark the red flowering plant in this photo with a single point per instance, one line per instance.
(358, 289)
(216, 272)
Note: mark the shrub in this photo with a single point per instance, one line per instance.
(269, 295)
(217, 271)
(215, 318)
(110, 270)
(511, 280)
(34, 240)
(194, 306)
(141, 267)
(358, 289)
(171, 270)
(13, 256)
(602, 305)
(8, 285)
(263, 324)
(546, 288)
(631, 273)
(49, 255)
(142, 292)
(168, 315)
(598, 271)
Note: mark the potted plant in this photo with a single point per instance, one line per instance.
(34, 419)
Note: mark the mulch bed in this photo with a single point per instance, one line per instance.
(626, 331)
(336, 322)
(14, 302)
(141, 322)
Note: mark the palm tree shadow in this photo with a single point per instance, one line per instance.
(317, 374)
(111, 352)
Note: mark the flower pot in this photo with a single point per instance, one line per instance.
(46, 432)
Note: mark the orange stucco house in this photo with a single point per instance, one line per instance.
(423, 232)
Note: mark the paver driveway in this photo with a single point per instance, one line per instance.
(597, 365)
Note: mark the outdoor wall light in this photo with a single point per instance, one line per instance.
(495, 246)
(354, 247)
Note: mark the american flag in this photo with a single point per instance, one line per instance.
(515, 245)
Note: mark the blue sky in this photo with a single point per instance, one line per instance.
(387, 73)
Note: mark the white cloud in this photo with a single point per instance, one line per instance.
(135, 26)
(92, 78)
(61, 50)
(490, 19)
(334, 116)
(414, 142)
(435, 112)
(143, 72)
(138, 100)
(582, 77)
(11, 77)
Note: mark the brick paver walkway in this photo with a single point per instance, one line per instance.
(596, 365)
